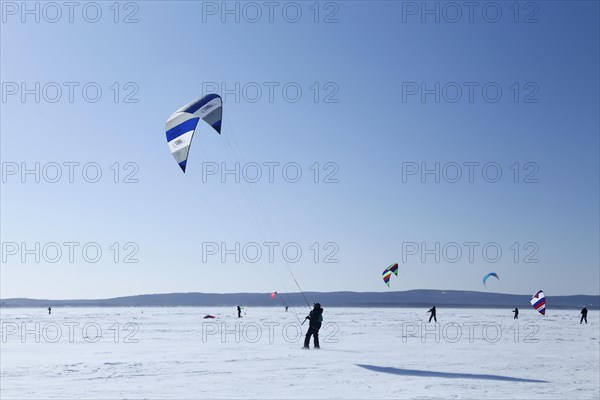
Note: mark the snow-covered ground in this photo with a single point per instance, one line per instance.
(366, 353)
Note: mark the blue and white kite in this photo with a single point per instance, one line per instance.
(181, 125)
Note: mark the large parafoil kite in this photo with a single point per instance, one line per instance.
(485, 278)
(181, 125)
(387, 273)
(538, 301)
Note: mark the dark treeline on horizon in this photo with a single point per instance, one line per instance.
(411, 298)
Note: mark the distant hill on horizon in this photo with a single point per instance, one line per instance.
(409, 298)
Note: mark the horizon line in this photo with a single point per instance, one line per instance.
(288, 293)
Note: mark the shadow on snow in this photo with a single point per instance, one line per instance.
(450, 375)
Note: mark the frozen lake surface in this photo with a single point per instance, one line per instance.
(366, 353)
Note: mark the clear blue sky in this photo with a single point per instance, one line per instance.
(372, 57)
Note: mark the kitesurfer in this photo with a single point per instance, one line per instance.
(315, 318)
(239, 309)
(433, 315)
(50, 311)
(583, 315)
(286, 307)
(516, 311)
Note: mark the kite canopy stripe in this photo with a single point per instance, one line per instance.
(182, 124)
(392, 268)
(386, 277)
(538, 302)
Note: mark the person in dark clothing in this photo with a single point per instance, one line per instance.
(316, 318)
(433, 315)
(286, 308)
(50, 311)
(583, 315)
(516, 311)
(239, 311)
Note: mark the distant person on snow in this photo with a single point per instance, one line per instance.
(583, 315)
(239, 311)
(286, 307)
(433, 315)
(50, 311)
(316, 318)
(516, 311)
